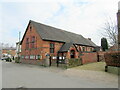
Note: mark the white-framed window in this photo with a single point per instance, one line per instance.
(54, 57)
(60, 57)
(32, 56)
(22, 56)
(63, 57)
(27, 57)
(36, 56)
(52, 47)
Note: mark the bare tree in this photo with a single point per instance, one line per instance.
(110, 31)
(6, 45)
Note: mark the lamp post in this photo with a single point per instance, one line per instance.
(118, 21)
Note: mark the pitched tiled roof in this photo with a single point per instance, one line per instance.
(54, 34)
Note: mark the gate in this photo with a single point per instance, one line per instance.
(58, 62)
(101, 58)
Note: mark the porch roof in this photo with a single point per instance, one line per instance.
(65, 47)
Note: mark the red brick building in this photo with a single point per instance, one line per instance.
(9, 51)
(40, 40)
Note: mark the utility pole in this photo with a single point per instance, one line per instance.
(19, 47)
(1, 48)
(118, 22)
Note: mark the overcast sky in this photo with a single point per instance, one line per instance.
(83, 17)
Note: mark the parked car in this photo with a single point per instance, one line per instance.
(3, 58)
(8, 59)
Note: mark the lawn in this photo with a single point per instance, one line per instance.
(97, 66)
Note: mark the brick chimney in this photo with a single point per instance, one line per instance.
(89, 39)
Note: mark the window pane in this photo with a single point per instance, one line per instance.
(52, 50)
(26, 57)
(27, 40)
(51, 45)
(38, 57)
(83, 48)
(22, 56)
(33, 39)
(27, 43)
(32, 56)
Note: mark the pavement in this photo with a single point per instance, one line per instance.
(32, 76)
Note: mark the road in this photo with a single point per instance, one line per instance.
(33, 76)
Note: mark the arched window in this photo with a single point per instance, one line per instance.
(91, 49)
(72, 53)
(79, 49)
(83, 49)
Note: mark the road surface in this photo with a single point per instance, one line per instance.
(33, 76)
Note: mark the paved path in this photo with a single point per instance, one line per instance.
(32, 76)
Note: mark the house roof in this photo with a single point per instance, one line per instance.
(65, 47)
(18, 42)
(54, 34)
(114, 47)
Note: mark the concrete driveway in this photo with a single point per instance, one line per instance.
(33, 76)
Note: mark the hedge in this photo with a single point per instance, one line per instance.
(17, 60)
(112, 58)
(74, 62)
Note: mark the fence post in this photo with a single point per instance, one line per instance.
(66, 63)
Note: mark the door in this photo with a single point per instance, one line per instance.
(72, 53)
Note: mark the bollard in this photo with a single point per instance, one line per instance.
(106, 68)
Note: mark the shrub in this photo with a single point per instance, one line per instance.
(74, 62)
(104, 44)
(17, 60)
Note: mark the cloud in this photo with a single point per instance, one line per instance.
(84, 17)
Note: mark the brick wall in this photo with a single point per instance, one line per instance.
(89, 57)
(34, 62)
(46, 49)
(38, 43)
(41, 47)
